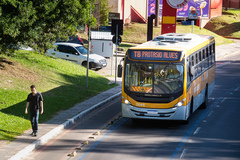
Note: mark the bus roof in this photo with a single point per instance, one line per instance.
(175, 41)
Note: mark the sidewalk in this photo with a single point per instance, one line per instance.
(25, 143)
(228, 49)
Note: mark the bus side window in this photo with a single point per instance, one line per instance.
(213, 53)
(203, 59)
(192, 61)
(196, 65)
(192, 66)
(207, 58)
(200, 62)
(188, 70)
(210, 55)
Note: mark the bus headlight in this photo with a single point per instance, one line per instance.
(124, 100)
(127, 102)
(179, 104)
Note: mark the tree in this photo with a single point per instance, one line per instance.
(104, 12)
(39, 23)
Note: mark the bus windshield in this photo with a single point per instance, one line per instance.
(164, 78)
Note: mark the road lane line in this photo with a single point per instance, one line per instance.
(180, 145)
(236, 89)
(79, 143)
(197, 130)
(96, 143)
(210, 114)
(223, 99)
(76, 145)
(183, 153)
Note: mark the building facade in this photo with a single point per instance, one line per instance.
(139, 10)
(231, 4)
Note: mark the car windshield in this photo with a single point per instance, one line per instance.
(82, 50)
(149, 78)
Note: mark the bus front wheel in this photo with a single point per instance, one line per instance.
(191, 111)
(205, 103)
(185, 122)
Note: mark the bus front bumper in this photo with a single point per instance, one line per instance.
(175, 113)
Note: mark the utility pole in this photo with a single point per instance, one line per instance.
(150, 27)
(116, 53)
(89, 45)
(157, 13)
(116, 30)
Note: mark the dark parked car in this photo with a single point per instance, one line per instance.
(75, 39)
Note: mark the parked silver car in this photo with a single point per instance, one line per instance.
(77, 54)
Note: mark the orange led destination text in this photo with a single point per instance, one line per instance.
(155, 54)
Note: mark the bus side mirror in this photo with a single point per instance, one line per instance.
(119, 70)
(192, 71)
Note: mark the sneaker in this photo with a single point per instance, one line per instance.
(32, 134)
(35, 134)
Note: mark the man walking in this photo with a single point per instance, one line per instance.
(35, 100)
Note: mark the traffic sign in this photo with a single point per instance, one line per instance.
(119, 40)
(116, 23)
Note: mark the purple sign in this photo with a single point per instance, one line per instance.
(198, 6)
(151, 7)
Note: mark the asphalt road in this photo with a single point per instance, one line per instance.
(212, 133)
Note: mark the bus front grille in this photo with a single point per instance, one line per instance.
(157, 114)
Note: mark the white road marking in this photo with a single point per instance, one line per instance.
(223, 100)
(236, 89)
(183, 153)
(197, 130)
(210, 114)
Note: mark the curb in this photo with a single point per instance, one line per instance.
(54, 132)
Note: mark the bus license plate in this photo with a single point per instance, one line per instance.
(152, 112)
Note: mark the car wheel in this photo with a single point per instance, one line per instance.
(84, 64)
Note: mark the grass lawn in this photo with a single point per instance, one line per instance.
(62, 84)
(137, 33)
(226, 25)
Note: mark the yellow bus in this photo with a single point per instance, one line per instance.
(169, 77)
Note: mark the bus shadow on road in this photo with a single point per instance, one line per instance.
(149, 123)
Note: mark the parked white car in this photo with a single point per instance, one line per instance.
(77, 54)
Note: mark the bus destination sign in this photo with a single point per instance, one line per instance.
(154, 55)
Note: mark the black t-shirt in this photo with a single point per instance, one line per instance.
(34, 101)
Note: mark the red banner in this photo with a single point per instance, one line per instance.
(169, 16)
